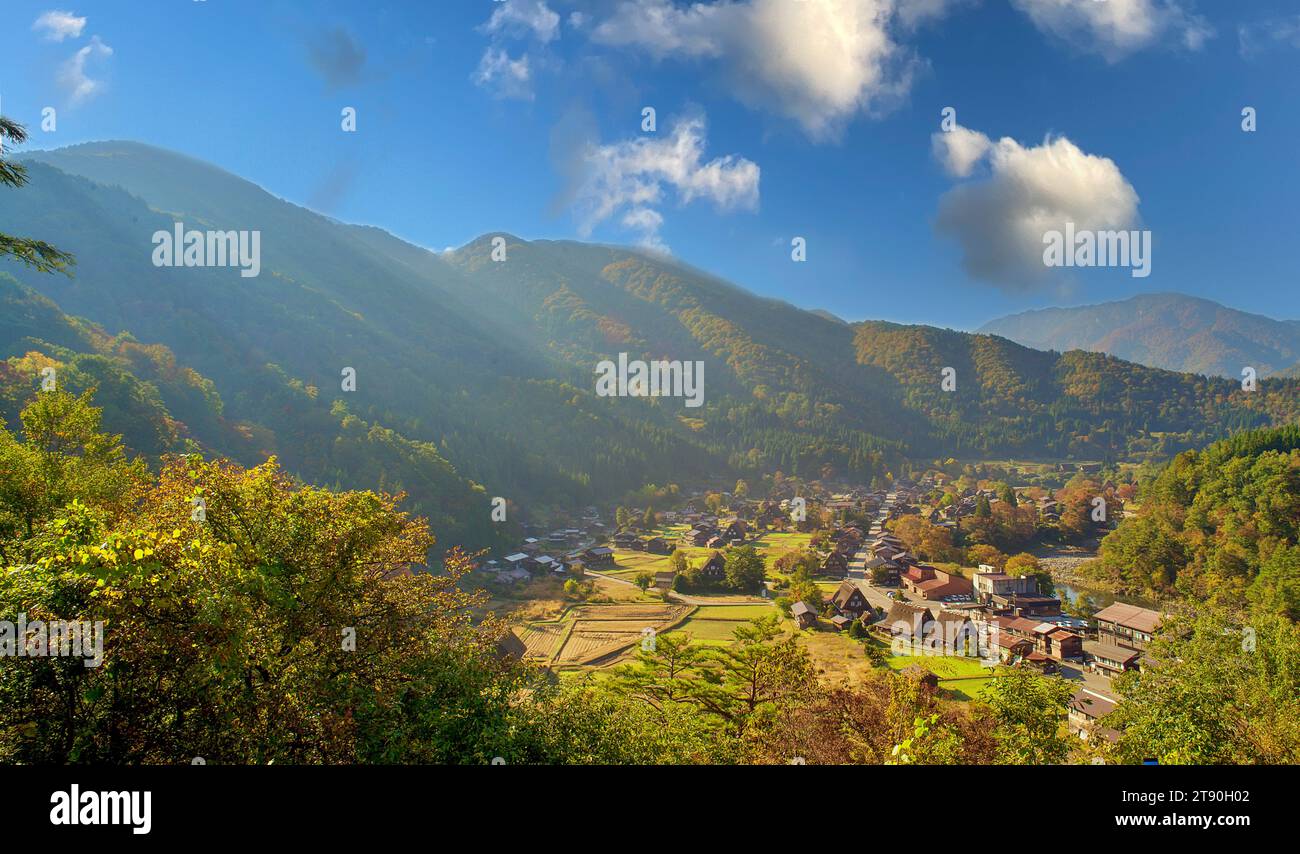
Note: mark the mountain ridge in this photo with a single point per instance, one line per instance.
(475, 375)
(1165, 330)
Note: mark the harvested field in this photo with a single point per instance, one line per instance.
(543, 639)
(602, 631)
(650, 612)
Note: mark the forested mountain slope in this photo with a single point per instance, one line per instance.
(475, 376)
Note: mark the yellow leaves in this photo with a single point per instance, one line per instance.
(139, 554)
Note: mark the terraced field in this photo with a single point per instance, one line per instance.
(591, 634)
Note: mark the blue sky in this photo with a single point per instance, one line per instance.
(775, 119)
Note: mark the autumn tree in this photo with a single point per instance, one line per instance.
(1221, 688)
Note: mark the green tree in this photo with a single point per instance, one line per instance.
(64, 456)
(1221, 688)
(33, 253)
(1277, 586)
(1028, 710)
(744, 568)
(1006, 494)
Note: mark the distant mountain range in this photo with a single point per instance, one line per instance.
(1170, 331)
(475, 377)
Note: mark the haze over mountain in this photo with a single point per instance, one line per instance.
(1168, 330)
(475, 377)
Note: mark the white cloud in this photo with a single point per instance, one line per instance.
(58, 25)
(646, 222)
(999, 220)
(72, 74)
(817, 61)
(497, 70)
(506, 77)
(523, 17)
(914, 13)
(633, 176)
(960, 149)
(1116, 28)
(1256, 38)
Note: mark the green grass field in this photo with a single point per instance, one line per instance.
(777, 543)
(943, 666)
(964, 689)
(738, 613)
(709, 632)
(629, 564)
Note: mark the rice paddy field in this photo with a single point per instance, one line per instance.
(593, 634)
(715, 624)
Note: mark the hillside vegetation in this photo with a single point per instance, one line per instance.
(475, 376)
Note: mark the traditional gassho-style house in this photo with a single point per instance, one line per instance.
(734, 529)
(881, 571)
(907, 621)
(598, 556)
(803, 614)
(715, 568)
(1127, 625)
(850, 600)
(847, 540)
(905, 559)
(523, 561)
(886, 550)
(956, 633)
(657, 546)
(836, 565)
(664, 579)
(510, 646)
(626, 540)
(698, 536)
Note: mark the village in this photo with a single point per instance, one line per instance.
(830, 563)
